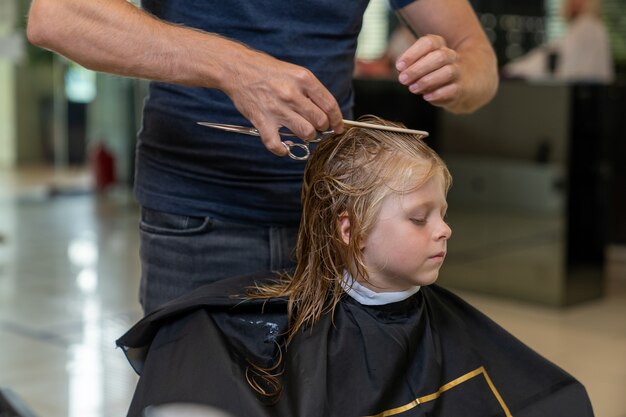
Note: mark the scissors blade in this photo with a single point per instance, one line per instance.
(232, 128)
(247, 130)
(352, 123)
(349, 123)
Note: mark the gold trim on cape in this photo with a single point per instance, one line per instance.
(446, 387)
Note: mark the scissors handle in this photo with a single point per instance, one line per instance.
(304, 147)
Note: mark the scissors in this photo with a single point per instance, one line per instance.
(302, 149)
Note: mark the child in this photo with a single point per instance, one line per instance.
(358, 329)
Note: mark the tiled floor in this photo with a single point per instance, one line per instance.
(68, 285)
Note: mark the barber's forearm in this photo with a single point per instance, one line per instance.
(115, 36)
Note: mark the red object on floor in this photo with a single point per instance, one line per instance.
(103, 166)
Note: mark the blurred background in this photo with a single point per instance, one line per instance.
(538, 205)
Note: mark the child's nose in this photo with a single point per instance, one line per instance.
(444, 231)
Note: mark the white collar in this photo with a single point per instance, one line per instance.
(368, 297)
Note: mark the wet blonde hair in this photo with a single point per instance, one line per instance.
(349, 174)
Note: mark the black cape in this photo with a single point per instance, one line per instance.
(429, 355)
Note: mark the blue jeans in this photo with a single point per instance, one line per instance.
(180, 253)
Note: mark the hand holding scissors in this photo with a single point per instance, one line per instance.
(302, 149)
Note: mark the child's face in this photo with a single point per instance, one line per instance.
(407, 245)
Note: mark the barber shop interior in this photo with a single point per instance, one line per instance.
(537, 204)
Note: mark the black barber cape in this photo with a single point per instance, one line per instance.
(429, 355)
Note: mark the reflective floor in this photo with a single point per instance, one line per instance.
(68, 285)
(68, 288)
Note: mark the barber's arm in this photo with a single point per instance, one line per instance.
(115, 36)
(452, 63)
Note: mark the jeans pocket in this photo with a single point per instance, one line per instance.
(161, 223)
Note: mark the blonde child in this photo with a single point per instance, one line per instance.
(359, 329)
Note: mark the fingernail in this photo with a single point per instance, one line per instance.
(428, 97)
(403, 78)
(414, 88)
(400, 65)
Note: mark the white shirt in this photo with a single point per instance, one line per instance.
(583, 54)
(365, 296)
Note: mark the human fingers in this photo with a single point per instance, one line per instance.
(275, 143)
(444, 95)
(431, 71)
(269, 130)
(326, 108)
(434, 72)
(270, 137)
(274, 94)
(268, 106)
(313, 107)
(421, 47)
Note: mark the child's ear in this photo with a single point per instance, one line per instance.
(344, 227)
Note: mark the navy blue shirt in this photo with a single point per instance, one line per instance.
(188, 169)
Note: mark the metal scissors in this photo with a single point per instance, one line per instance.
(302, 149)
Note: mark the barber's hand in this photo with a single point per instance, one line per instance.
(430, 68)
(274, 94)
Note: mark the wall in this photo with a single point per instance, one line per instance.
(7, 115)
(529, 203)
